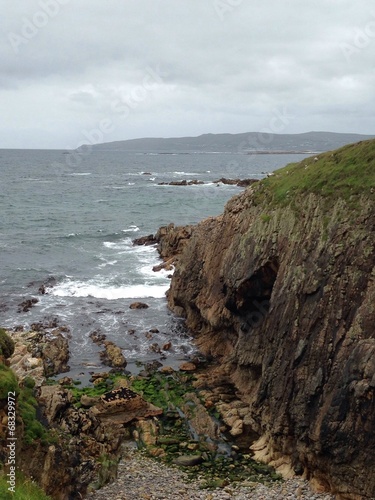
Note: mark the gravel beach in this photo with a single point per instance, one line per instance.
(142, 478)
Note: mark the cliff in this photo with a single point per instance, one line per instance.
(280, 290)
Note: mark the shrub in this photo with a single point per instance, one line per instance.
(6, 344)
(8, 381)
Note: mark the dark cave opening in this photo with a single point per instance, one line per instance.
(251, 299)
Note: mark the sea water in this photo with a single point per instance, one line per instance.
(68, 221)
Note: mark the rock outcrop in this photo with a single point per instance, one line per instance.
(281, 290)
(67, 446)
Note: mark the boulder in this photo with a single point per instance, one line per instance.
(112, 355)
(188, 460)
(138, 305)
(187, 367)
(123, 405)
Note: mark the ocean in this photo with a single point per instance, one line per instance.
(68, 221)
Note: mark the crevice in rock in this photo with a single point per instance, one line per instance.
(251, 299)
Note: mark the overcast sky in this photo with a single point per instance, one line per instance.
(79, 71)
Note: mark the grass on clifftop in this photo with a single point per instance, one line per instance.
(346, 173)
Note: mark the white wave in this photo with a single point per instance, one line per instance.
(131, 229)
(103, 291)
(161, 275)
(107, 263)
(118, 245)
(80, 173)
(187, 173)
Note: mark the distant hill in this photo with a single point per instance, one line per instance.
(238, 143)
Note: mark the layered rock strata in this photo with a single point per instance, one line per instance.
(283, 294)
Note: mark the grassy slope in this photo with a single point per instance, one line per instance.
(347, 173)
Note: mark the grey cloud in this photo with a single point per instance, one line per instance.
(212, 68)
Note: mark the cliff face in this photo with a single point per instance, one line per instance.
(280, 289)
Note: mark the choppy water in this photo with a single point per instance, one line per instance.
(71, 219)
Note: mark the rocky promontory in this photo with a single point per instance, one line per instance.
(280, 290)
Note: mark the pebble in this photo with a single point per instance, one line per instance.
(141, 478)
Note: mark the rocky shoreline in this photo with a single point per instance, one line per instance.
(113, 432)
(140, 477)
(279, 289)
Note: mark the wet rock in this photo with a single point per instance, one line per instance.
(184, 182)
(151, 367)
(47, 285)
(155, 347)
(167, 346)
(97, 337)
(27, 304)
(95, 376)
(167, 265)
(66, 381)
(145, 240)
(138, 305)
(187, 367)
(112, 355)
(236, 182)
(188, 460)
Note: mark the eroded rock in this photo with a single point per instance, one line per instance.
(283, 298)
(123, 405)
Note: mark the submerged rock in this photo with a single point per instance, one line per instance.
(27, 304)
(138, 305)
(236, 182)
(193, 182)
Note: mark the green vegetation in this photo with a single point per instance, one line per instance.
(24, 490)
(265, 218)
(346, 173)
(6, 344)
(8, 381)
(96, 390)
(27, 405)
(164, 391)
